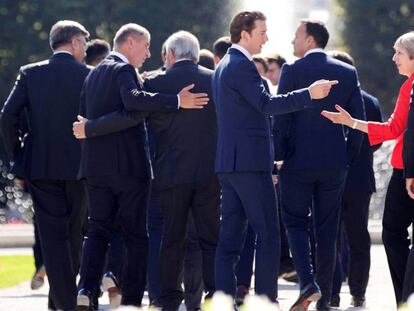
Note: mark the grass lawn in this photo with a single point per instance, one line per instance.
(15, 269)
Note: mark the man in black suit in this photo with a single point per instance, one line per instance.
(408, 158)
(48, 158)
(184, 168)
(117, 166)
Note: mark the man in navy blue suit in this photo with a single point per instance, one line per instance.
(244, 161)
(316, 155)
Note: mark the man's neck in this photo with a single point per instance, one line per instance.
(314, 50)
(121, 55)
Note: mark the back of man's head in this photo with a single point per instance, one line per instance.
(183, 45)
(318, 31)
(63, 32)
(206, 59)
(220, 47)
(97, 50)
(342, 56)
(128, 30)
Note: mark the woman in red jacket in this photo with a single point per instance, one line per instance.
(399, 207)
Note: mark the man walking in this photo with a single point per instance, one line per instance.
(48, 159)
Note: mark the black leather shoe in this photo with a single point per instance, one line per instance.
(323, 305)
(335, 301)
(307, 295)
(110, 284)
(83, 301)
(358, 301)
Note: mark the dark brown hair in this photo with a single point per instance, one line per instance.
(244, 21)
(221, 46)
(318, 31)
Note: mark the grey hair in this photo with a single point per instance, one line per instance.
(406, 41)
(184, 45)
(128, 30)
(63, 31)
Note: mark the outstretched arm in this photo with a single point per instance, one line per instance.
(343, 117)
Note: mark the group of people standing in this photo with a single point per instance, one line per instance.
(170, 171)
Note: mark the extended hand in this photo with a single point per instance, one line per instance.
(190, 100)
(79, 128)
(409, 185)
(341, 117)
(321, 88)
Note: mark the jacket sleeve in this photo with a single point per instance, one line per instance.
(113, 122)
(12, 112)
(408, 145)
(396, 124)
(251, 88)
(374, 114)
(135, 99)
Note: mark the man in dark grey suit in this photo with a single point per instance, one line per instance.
(48, 159)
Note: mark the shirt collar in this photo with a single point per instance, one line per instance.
(62, 52)
(317, 50)
(243, 50)
(120, 55)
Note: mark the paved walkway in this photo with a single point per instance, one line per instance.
(380, 295)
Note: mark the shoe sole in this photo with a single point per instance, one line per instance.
(114, 293)
(304, 305)
(83, 303)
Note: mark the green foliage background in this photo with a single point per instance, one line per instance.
(26, 23)
(369, 29)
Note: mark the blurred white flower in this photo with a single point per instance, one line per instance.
(262, 303)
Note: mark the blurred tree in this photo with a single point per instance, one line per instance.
(26, 25)
(369, 29)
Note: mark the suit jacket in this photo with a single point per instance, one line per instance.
(408, 146)
(184, 141)
(49, 91)
(360, 176)
(243, 109)
(113, 86)
(305, 139)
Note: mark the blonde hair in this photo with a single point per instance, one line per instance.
(406, 41)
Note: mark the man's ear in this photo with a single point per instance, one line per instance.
(310, 40)
(244, 35)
